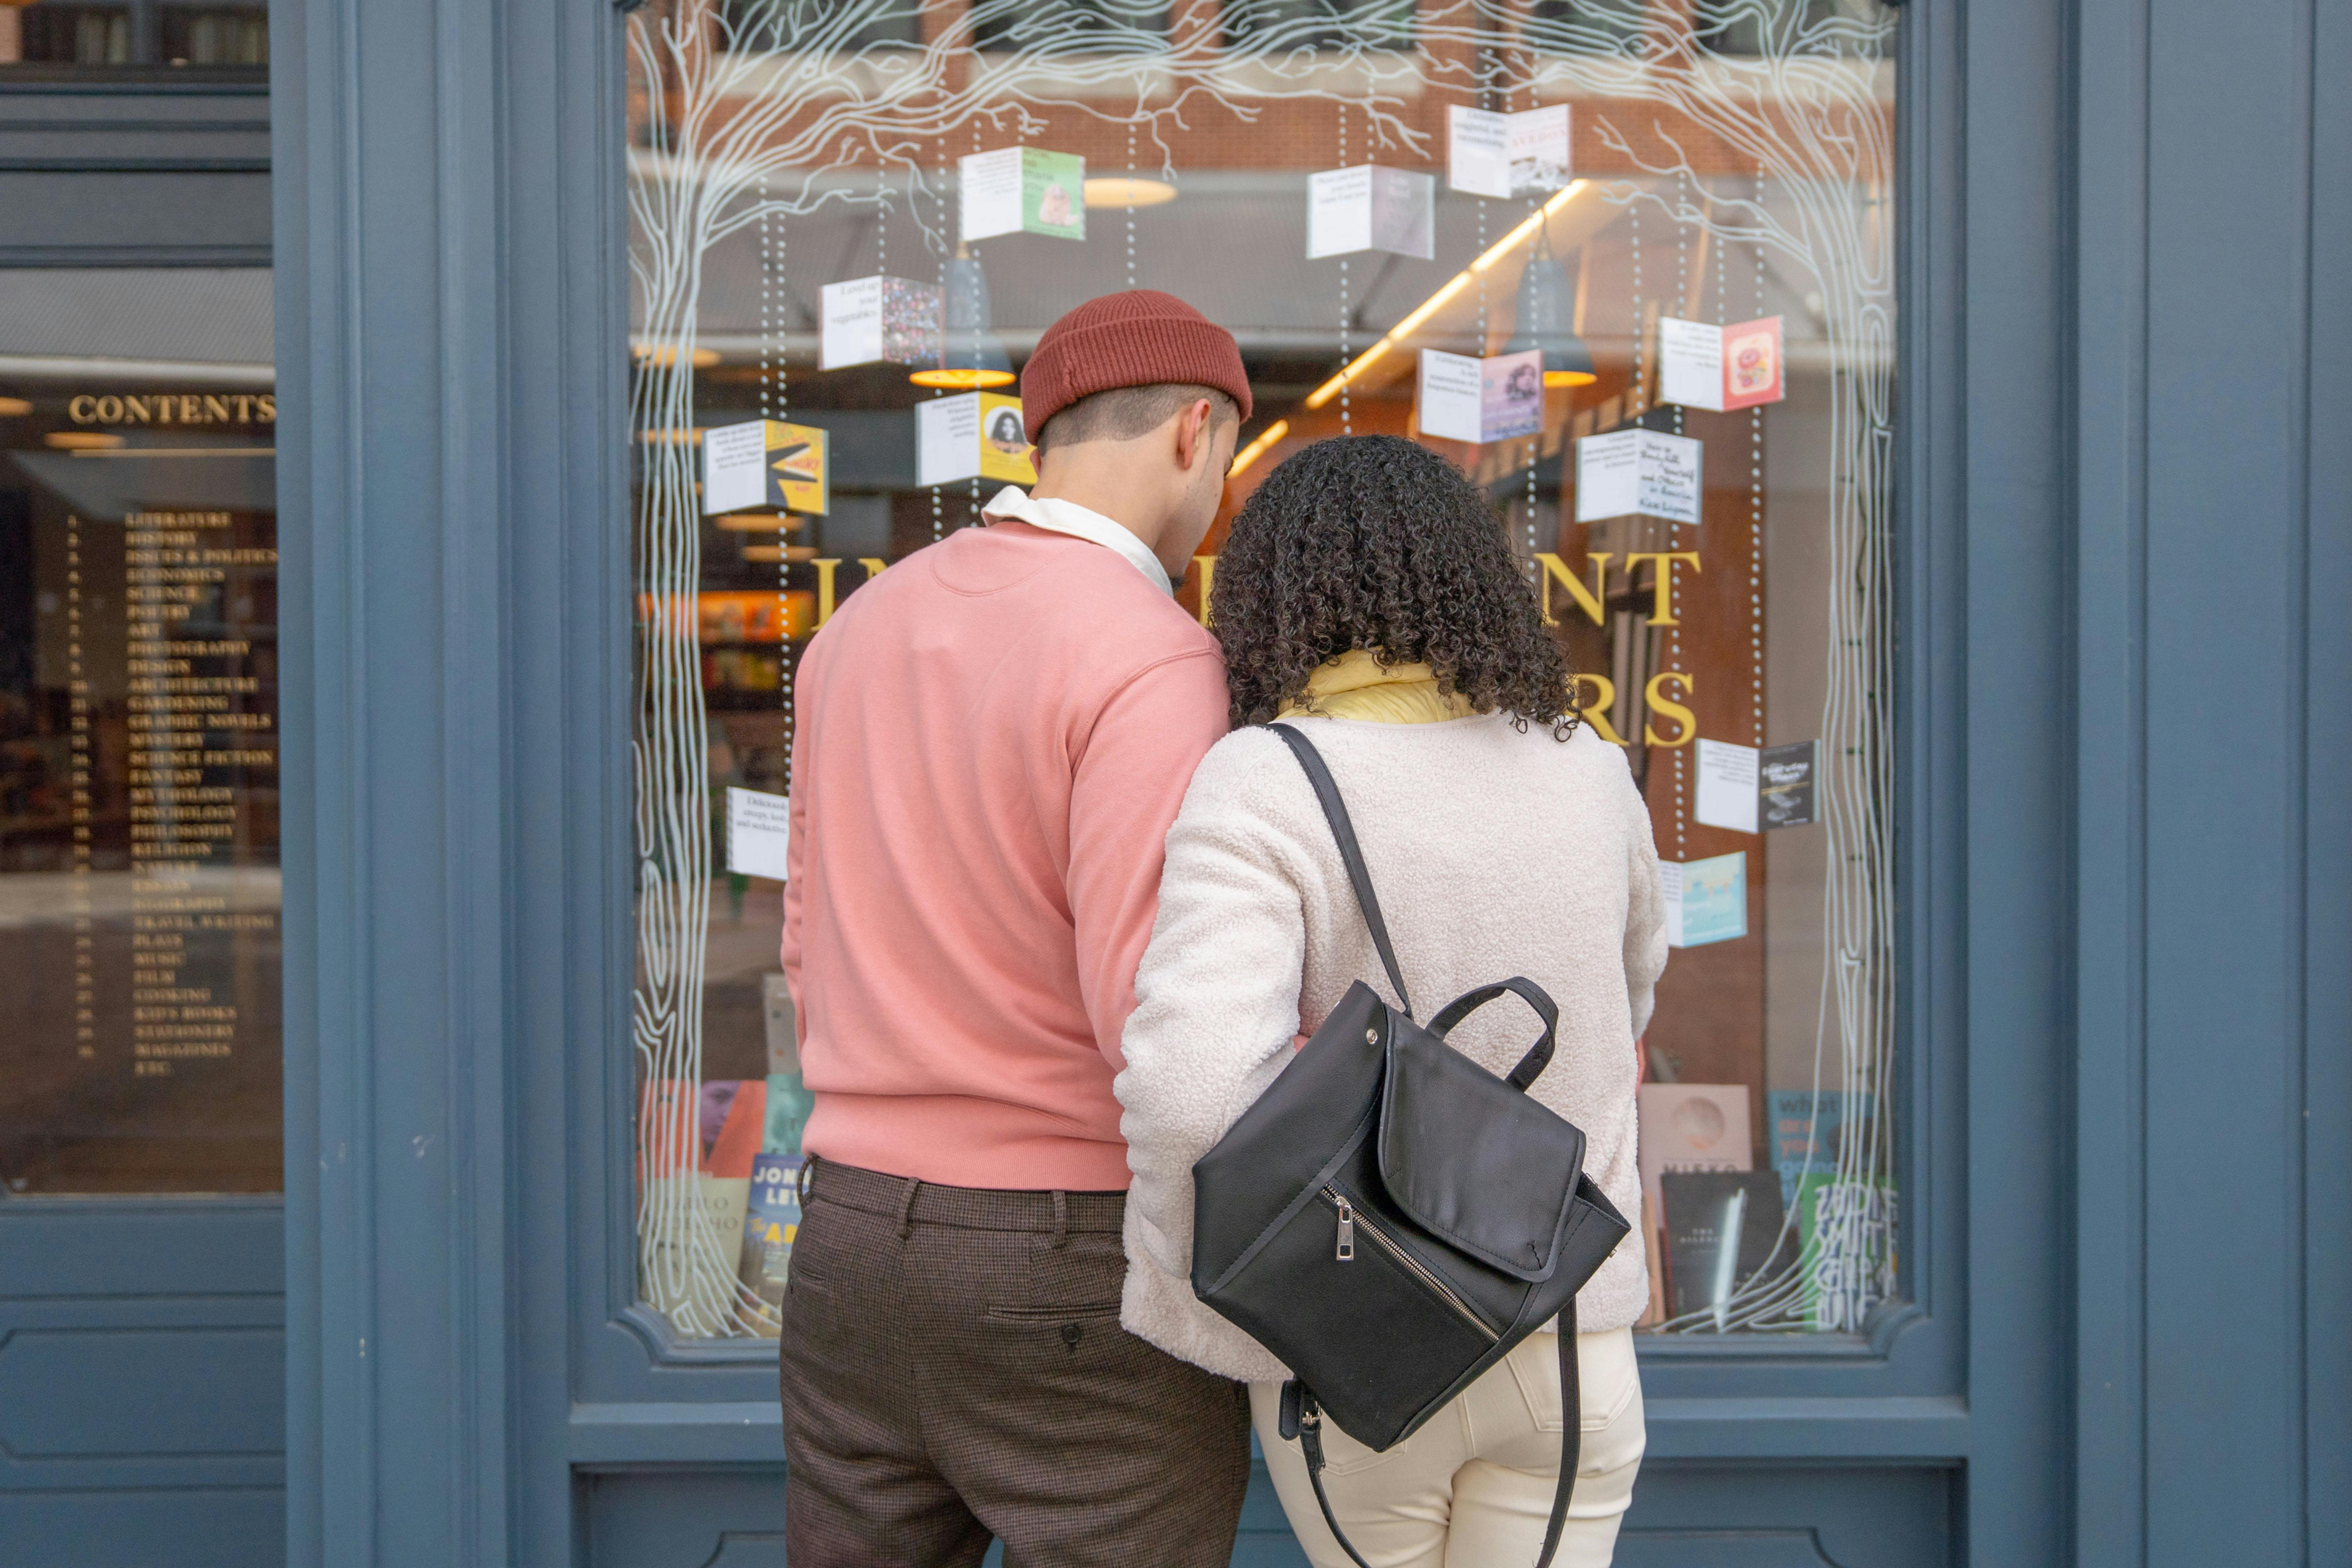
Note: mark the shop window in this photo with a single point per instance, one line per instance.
(139, 806)
(171, 35)
(1689, 230)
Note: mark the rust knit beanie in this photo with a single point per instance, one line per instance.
(1137, 338)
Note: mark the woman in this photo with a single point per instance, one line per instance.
(1367, 596)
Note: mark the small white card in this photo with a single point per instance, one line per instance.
(1726, 786)
(1372, 208)
(1490, 155)
(759, 833)
(735, 468)
(991, 194)
(1644, 471)
(1720, 369)
(947, 439)
(870, 320)
(1466, 398)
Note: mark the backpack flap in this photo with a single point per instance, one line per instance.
(1472, 1159)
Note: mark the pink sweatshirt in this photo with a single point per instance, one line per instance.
(993, 740)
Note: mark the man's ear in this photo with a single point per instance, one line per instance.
(1196, 432)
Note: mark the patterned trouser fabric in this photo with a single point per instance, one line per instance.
(954, 1369)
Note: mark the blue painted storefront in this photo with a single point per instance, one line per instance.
(2125, 552)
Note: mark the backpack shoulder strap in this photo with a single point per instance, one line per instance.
(1334, 812)
(1303, 1419)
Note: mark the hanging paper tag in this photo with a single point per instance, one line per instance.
(894, 321)
(1372, 208)
(1644, 471)
(1720, 368)
(1023, 190)
(1726, 786)
(1466, 398)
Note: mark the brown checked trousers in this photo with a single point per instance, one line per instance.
(954, 1369)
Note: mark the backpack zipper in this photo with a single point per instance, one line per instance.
(1350, 1217)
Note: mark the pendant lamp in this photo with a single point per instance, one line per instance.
(969, 354)
(1546, 319)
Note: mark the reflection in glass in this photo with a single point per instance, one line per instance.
(138, 832)
(1728, 193)
(175, 35)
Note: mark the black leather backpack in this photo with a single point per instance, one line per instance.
(1390, 1219)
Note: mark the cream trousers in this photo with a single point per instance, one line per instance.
(1473, 1488)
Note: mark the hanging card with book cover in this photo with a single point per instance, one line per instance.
(1786, 791)
(1628, 472)
(1726, 786)
(1372, 208)
(765, 465)
(869, 321)
(1465, 398)
(1706, 900)
(978, 435)
(1023, 190)
(1491, 154)
(1720, 368)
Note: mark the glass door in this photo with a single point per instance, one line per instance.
(142, 1352)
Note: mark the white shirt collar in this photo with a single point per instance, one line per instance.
(1057, 516)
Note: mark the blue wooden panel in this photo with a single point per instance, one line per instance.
(2012, 458)
(1683, 1516)
(2225, 617)
(89, 1248)
(186, 1528)
(80, 1393)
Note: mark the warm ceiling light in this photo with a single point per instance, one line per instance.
(1569, 378)
(963, 378)
(772, 552)
(755, 521)
(1257, 448)
(14, 408)
(670, 438)
(1127, 191)
(82, 440)
(1446, 290)
(667, 354)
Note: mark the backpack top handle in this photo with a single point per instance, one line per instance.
(1539, 1055)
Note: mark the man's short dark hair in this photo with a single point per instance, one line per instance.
(1123, 413)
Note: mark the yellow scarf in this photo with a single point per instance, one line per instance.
(1355, 686)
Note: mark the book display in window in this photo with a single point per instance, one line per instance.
(1370, 208)
(869, 321)
(1023, 190)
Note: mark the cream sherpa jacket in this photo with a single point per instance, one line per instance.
(1493, 853)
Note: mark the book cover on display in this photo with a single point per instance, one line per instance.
(1466, 398)
(1644, 472)
(1690, 1127)
(723, 1121)
(1785, 788)
(1720, 369)
(1492, 154)
(1706, 900)
(1023, 190)
(771, 1223)
(765, 465)
(1803, 1130)
(979, 435)
(1845, 1245)
(1721, 1228)
(869, 321)
(1370, 208)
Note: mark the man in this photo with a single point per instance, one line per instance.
(993, 741)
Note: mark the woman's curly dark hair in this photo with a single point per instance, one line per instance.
(1373, 541)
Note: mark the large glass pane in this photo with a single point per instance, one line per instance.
(1694, 466)
(139, 884)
